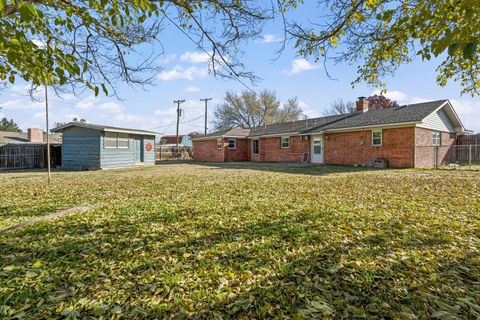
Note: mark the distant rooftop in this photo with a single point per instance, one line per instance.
(102, 128)
(22, 138)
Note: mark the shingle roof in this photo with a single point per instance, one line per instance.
(234, 132)
(294, 126)
(102, 128)
(403, 114)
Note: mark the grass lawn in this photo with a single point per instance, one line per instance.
(242, 241)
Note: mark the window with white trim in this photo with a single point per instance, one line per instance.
(255, 146)
(285, 142)
(110, 140)
(377, 138)
(437, 138)
(232, 143)
(219, 144)
(122, 142)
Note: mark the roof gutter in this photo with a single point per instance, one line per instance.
(217, 137)
(391, 125)
(145, 133)
(275, 135)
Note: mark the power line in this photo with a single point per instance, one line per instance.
(193, 119)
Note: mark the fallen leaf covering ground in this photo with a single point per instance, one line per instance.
(242, 241)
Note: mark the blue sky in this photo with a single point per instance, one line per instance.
(186, 76)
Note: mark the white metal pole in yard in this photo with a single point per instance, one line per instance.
(48, 136)
(470, 157)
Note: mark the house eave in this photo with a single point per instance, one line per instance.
(274, 135)
(143, 133)
(390, 125)
(218, 137)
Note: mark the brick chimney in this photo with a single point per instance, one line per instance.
(35, 135)
(362, 104)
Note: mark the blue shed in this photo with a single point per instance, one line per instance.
(93, 146)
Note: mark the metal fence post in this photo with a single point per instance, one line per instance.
(470, 157)
(436, 157)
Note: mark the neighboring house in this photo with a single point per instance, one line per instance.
(400, 135)
(32, 136)
(28, 150)
(170, 141)
(92, 146)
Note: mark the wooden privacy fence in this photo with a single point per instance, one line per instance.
(28, 156)
(173, 153)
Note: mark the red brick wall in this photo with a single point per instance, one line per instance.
(347, 147)
(206, 150)
(271, 150)
(240, 153)
(425, 151)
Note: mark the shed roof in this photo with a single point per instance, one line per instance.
(103, 128)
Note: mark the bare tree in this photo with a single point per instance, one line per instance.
(247, 110)
(340, 107)
(290, 111)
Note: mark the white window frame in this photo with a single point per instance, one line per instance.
(282, 142)
(253, 146)
(437, 138)
(110, 136)
(124, 137)
(234, 143)
(381, 138)
(219, 144)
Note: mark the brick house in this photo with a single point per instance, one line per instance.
(404, 136)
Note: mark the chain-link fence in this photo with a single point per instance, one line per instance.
(173, 153)
(454, 156)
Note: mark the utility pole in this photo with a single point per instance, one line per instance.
(206, 109)
(48, 136)
(178, 102)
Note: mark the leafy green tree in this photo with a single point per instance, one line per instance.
(380, 35)
(248, 110)
(9, 125)
(94, 43)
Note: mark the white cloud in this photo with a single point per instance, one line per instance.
(469, 113)
(401, 97)
(179, 72)
(299, 66)
(167, 58)
(86, 104)
(111, 106)
(22, 104)
(270, 38)
(192, 89)
(168, 112)
(195, 57)
(307, 110)
(468, 110)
